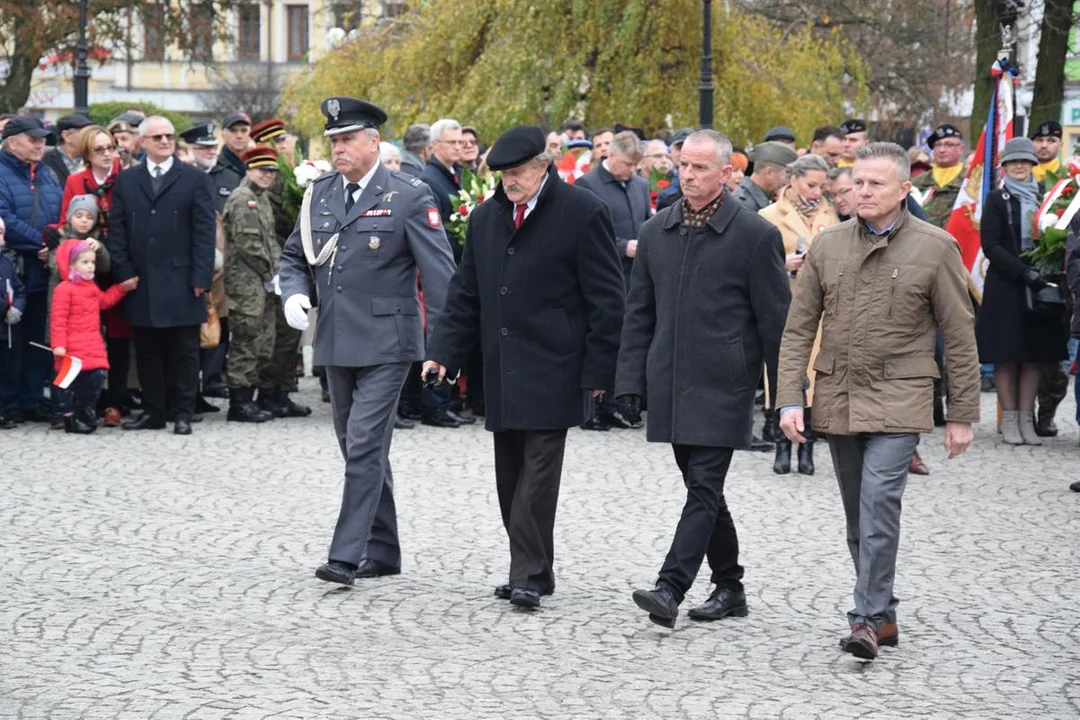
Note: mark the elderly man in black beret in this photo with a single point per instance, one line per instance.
(540, 285)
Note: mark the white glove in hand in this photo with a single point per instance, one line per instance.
(296, 308)
(13, 316)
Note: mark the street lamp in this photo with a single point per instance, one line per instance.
(705, 90)
(82, 70)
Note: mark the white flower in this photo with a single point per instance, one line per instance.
(1047, 221)
(322, 166)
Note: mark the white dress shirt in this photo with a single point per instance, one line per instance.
(165, 166)
(363, 182)
(532, 203)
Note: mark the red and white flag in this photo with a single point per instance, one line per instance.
(69, 370)
(9, 293)
(983, 176)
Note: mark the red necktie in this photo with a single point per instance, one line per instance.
(519, 215)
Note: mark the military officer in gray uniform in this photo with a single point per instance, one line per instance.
(363, 233)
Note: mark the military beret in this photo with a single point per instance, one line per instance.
(780, 134)
(260, 156)
(619, 127)
(200, 135)
(516, 147)
(268, 130)
(235, 118)
(346, 115)
(943, 131)
(1048, 128)
(775, 153)
(853, 125)
(72, 122)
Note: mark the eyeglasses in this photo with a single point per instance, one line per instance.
(468, 143)
(102, 149)
(163, 137)
(948, 144)
(451, 142)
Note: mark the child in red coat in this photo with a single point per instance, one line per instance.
(75, 329)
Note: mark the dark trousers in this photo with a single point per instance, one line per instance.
(9, 365)
(212, 361)
(81, 395)
(34, 364)
(528, 468)
(119, 354)
(705, 528)
(167, 361)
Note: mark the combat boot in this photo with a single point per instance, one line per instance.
(268, 401)
(242, 408)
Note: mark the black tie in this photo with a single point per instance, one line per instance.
(350, 195)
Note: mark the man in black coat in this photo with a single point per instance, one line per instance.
(230, 169)
(162, 228)
(66, 158)
(540, 285)
(707, 305)
(626, 195)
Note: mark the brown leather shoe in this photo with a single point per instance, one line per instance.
(862, 642)
(888, 635)
(916, 466)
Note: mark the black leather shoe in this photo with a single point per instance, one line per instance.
(336, 572)
(73, 424)
(461, 419)
(1075, 487)
(503, 592)
(806, 458)
(216, 391)
(182, 427)
(203, 406)
(724, 602)
(6, 423)
(525, 598)
(144, 422)
(660, 603)
(401, 423)
(595, 423)
(782, 464)
(616, 418)
(1046, 427)
(759, 445)
(374, 568)
(37, 415)
(440, 418)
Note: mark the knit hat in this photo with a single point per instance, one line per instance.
(83, 202)
(78, 249)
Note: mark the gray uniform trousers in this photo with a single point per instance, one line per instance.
(872, 471)
(363, 402)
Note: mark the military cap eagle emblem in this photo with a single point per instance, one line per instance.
(333, 106)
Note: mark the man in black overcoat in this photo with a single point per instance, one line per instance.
(708, 300)
(162, 228)
(540, 285)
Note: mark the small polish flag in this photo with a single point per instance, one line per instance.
(69, 369)
(9, 293)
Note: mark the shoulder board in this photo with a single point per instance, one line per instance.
(405, 178)
(325, 175)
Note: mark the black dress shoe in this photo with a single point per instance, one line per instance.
(525, 598)
(336, 572)
(782, 463)
(145, 421)
(595, 423)
(724, 602)
(440, 418)
(759, 445)
(503, 592)
(216, 391)
(374, 568)
(401, 423)
(660, 603)
(616, 418)
(6, 423)
(73, 424)
(182, 427)
(460, 418)
(806, 458)
(203, 406)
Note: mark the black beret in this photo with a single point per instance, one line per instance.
(1048, 128)
(346, 114)
(943, 131)
(200, 135)
(853, 125)
(780, 134)
(516, 146)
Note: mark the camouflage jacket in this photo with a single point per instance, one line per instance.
(252, 250)
(938, 207)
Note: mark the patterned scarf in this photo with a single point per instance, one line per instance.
(698, 218)
(805, 208)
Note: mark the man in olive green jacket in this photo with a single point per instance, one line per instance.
(881, 285)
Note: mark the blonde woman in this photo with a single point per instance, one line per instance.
(800, 212)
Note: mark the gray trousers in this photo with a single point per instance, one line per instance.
(872, 471)
(363, 402)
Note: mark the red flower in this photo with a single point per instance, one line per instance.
(462, 210)
(663, 184)
(480, 198)
(654, 194)
(1068, 190)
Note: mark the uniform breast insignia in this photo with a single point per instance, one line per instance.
(223, 191)
(252, 204)
(325, 225)
(377, 212)
(374, 242)
(388, 196)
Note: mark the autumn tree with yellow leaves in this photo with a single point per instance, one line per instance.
(602, 61)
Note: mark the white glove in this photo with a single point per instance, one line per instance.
(13, 316)
(296, 308)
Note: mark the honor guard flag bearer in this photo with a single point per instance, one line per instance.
(362, 235)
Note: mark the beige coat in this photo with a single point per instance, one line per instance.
(783, 215)
(879, 302)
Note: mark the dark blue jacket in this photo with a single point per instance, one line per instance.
(8, 274)
(24, 221)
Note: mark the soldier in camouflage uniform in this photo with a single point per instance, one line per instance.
(252, 254)
(280, 372)
(942, 184)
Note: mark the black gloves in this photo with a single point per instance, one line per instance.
(1033, 280)
(630, 405)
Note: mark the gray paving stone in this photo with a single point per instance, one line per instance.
(145, 575)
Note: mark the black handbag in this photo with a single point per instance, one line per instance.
(1049, 300)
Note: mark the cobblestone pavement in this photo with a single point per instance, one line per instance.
(146, 575)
